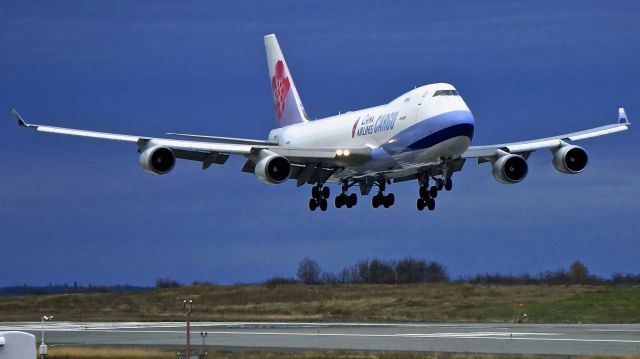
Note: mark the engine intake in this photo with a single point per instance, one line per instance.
(570, 159)
(510, 169)
(272, 168)
(157, 160)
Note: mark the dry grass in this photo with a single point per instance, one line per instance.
(126, 353)
(457, 302)
(58, 352)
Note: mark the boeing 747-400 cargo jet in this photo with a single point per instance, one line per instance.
(423, 135)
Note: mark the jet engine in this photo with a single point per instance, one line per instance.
(157, 160)
(570, 159)
(272, 168)
(510, 169)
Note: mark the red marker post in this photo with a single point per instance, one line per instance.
(188, 307)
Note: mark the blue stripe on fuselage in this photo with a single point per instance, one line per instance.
(430, 132)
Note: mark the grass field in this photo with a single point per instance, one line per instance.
(125, 353)
(453, 302)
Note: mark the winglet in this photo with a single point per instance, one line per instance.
(18, 118)
(622, 116)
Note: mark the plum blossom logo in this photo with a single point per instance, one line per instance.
(280, 86)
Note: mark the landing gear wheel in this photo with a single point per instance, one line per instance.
(325, 192)
(423, 192)
(313, 204)
(340, 201)
(315, 191)
(433, 192)
(376, 201)
(420, 204)
(389, 200)
(439, 184)
(352, 200)
(431, 204)
(448, 184)
(323, 205)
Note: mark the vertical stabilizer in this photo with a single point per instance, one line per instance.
(287, 104)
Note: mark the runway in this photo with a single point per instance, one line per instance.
(555, 339)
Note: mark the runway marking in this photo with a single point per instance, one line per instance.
(472, 335)
(505, 334)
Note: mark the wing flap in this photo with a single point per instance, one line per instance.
(217, 139)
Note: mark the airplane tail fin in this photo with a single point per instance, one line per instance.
(287, 104)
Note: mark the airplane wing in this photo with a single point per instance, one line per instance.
(308, 164)
(524, 148)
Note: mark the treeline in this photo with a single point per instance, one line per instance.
(375, 271)
(411, 270)
(577, 273)
(69, 289)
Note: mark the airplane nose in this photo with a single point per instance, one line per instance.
(466, 123)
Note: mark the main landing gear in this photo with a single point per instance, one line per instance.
(380, 199)
(344, 199)
(427, 195)
(319, 195)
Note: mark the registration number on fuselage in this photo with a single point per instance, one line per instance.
(370, 124)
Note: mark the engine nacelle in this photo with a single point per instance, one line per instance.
(272, 168)
(157, 160)
(510, 169)
(570, 159)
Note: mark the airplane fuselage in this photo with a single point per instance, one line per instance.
(421, 127)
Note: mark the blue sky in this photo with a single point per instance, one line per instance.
(82, 210)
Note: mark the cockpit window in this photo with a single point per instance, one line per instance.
(446, 93)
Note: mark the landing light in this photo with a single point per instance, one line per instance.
(347, 153)
(339, 152)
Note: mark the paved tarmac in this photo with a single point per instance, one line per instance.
(558, 339)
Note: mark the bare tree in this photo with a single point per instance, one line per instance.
(436, 272)
(308, 271)
(578, 272)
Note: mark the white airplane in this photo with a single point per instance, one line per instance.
(424, 134)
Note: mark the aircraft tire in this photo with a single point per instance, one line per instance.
(431, 204)
(353, 200)
(323, 205)
(433, 192)
(423, 192)
(439, 184)
(420, 204)
(339, 201)
(326, 192)
(313, 204)
(315, 191)
(448, 185)
(375, 201)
